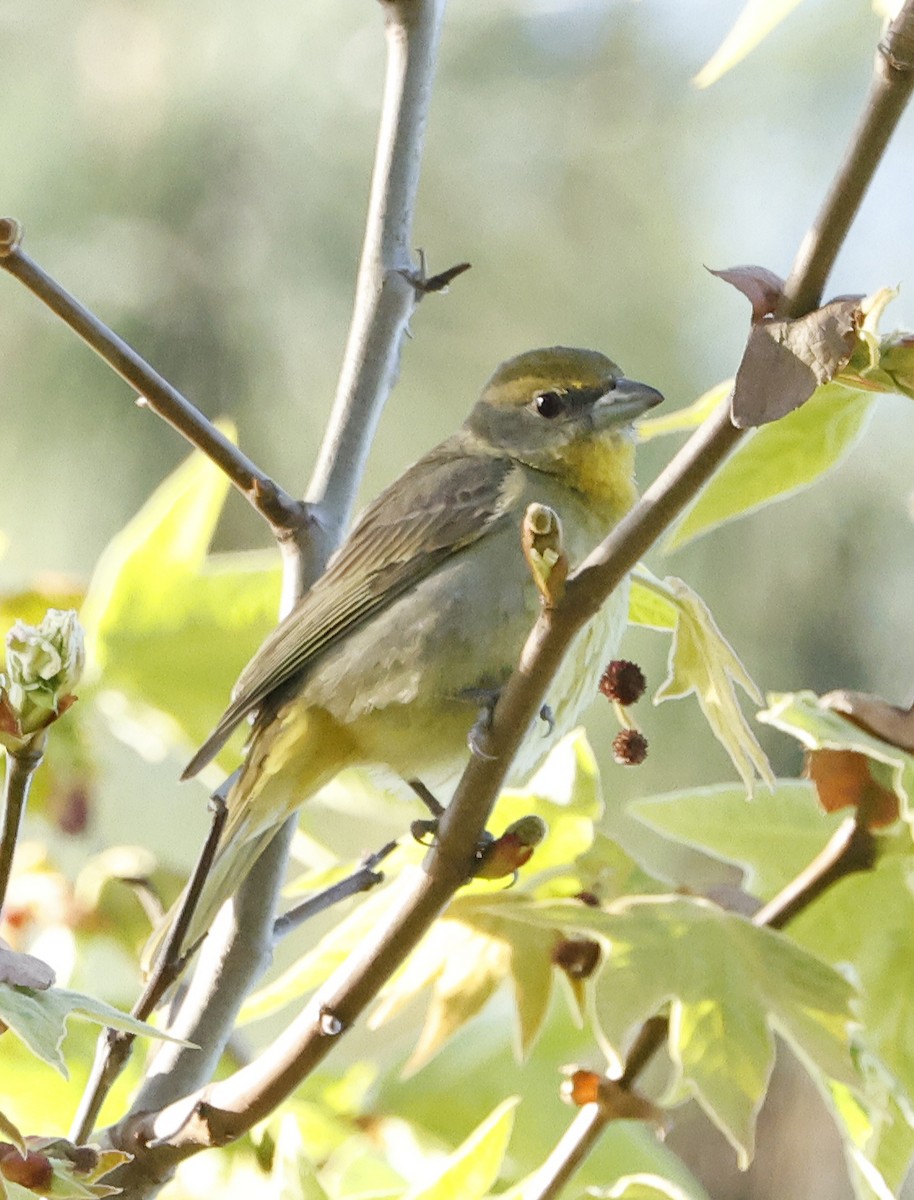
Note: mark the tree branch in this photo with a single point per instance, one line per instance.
(387, 289)
(285, 514)
(386, 295)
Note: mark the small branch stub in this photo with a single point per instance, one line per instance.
(10, 235)
(541, 539)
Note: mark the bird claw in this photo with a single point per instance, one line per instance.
(548, 717)
(424, 831)
(487, 698)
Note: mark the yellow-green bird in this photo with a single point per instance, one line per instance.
(426, 606)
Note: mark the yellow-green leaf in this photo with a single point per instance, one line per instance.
(169, 628)
(471, 1171)
(779, 459)
(729, 983)
(703, 662)
(683, 420)
(753, 24)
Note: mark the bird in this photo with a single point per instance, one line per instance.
(421, 614)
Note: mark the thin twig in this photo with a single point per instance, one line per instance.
(114, 1045)
(284, 513)
(363, 879)
(21, 766)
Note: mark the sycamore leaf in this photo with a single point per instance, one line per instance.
(39, 1019)
(772, 838)
(868, 919)
(703, 662)
(649, 603)
(464, 964)
(170, 628)
(762, 288)
(729, 984)
(353, 930)
(753, 24)
(819, 727)
(778, 460)
(471, 1171)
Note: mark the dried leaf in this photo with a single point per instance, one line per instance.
(875, 715)
(762, 288)
(786, 360)
(846, 779)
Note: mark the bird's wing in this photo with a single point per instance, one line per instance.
(439, 506)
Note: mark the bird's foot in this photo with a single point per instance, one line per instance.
(547, 716)
(486, 698)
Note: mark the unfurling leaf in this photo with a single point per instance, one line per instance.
(847, 779)
(886, 721)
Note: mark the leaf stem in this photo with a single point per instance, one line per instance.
(21, 766)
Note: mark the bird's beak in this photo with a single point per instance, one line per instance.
(627, 400)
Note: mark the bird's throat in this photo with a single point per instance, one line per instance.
(602, 469)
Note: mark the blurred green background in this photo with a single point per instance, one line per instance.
(198, 176)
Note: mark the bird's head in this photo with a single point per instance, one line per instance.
(569, 413)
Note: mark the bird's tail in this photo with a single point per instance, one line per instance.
(235, 857)
(289, 760)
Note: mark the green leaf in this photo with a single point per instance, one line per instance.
(702, 661)
(728, 983)
(332, 949)
(682, 420)
(39, 1019)
(642, 1187)
(817, 728)
(649, 602)
(293, 1176)
(772, 837)
(169, 628)
(753, 24)
(473, 1168)
(11, 1133)
(868, 920)
(779, 459)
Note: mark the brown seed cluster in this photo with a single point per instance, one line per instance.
(623, 682)
(630, 747)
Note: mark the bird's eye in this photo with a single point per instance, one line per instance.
(549, 404)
